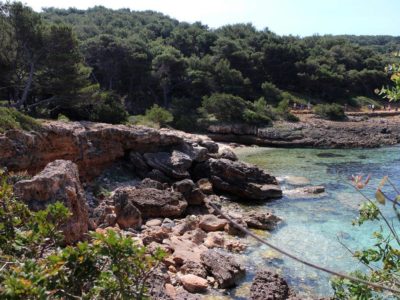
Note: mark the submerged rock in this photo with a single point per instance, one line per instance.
(59, 181)
(261, 220)
(306, 192)
(297, 180)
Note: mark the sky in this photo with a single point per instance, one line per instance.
(296, 17)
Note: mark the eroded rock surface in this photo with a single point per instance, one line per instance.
(59, 181)
(224, 267)
(268, 285)
(240, 179)
(152, 203)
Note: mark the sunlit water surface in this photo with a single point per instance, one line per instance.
(312, 226)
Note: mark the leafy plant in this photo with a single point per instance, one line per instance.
(333, 111)
(392, 93)
(12, 119)
(382, 260)
(34, 264)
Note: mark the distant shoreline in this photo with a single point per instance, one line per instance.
(361, 130)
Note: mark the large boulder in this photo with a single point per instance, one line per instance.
(59, 181)
(239, 179)
(223, 267)
(152, 203)
(269, 285)
(175, 164)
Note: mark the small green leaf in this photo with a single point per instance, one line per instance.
(380, 197)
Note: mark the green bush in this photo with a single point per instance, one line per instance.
(154, 117)
(283, 111)
(332, 111)
(362, 101)
(159, 115)
(224, 107)
(258, 113)
(271, 92)
(101, 107)
(10, 118)
(34, 264)
(62, 118)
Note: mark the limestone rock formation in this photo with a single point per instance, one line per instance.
(238, 178)
(92, 146)
(152, 203)
(59, 181)
(175, 164)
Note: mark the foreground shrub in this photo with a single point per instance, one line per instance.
(34, 264)
(382, 258)
(10, 118)
(333, 111)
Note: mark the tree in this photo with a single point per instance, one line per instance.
(224, 107)
(169, 68)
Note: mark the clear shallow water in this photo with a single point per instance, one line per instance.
(312, 226)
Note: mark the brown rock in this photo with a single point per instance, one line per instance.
(191, 267)
(260, 220)
(170, 290)
(223, 267)
(175, 164)
(92, 146)
(152, 203)
(127, 215)
(185, 250)
(205, 186)
(214, 240)
(153, 222)
(150, 183)
(243, 180)
(212, 223)
(193, 283)
(269, 285)
(59, 181)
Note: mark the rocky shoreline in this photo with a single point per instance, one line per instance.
(360, 131)
(160, 199)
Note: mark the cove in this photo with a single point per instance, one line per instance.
(312, 227)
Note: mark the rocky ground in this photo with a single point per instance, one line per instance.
(360, 130)
(153, 185)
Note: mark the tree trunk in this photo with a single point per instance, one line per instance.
(28, 85)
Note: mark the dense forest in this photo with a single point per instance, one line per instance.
(102, 64)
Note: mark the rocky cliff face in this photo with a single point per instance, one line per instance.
(164, 155)
(92, 146)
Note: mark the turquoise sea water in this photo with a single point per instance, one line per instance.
(312, 227)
